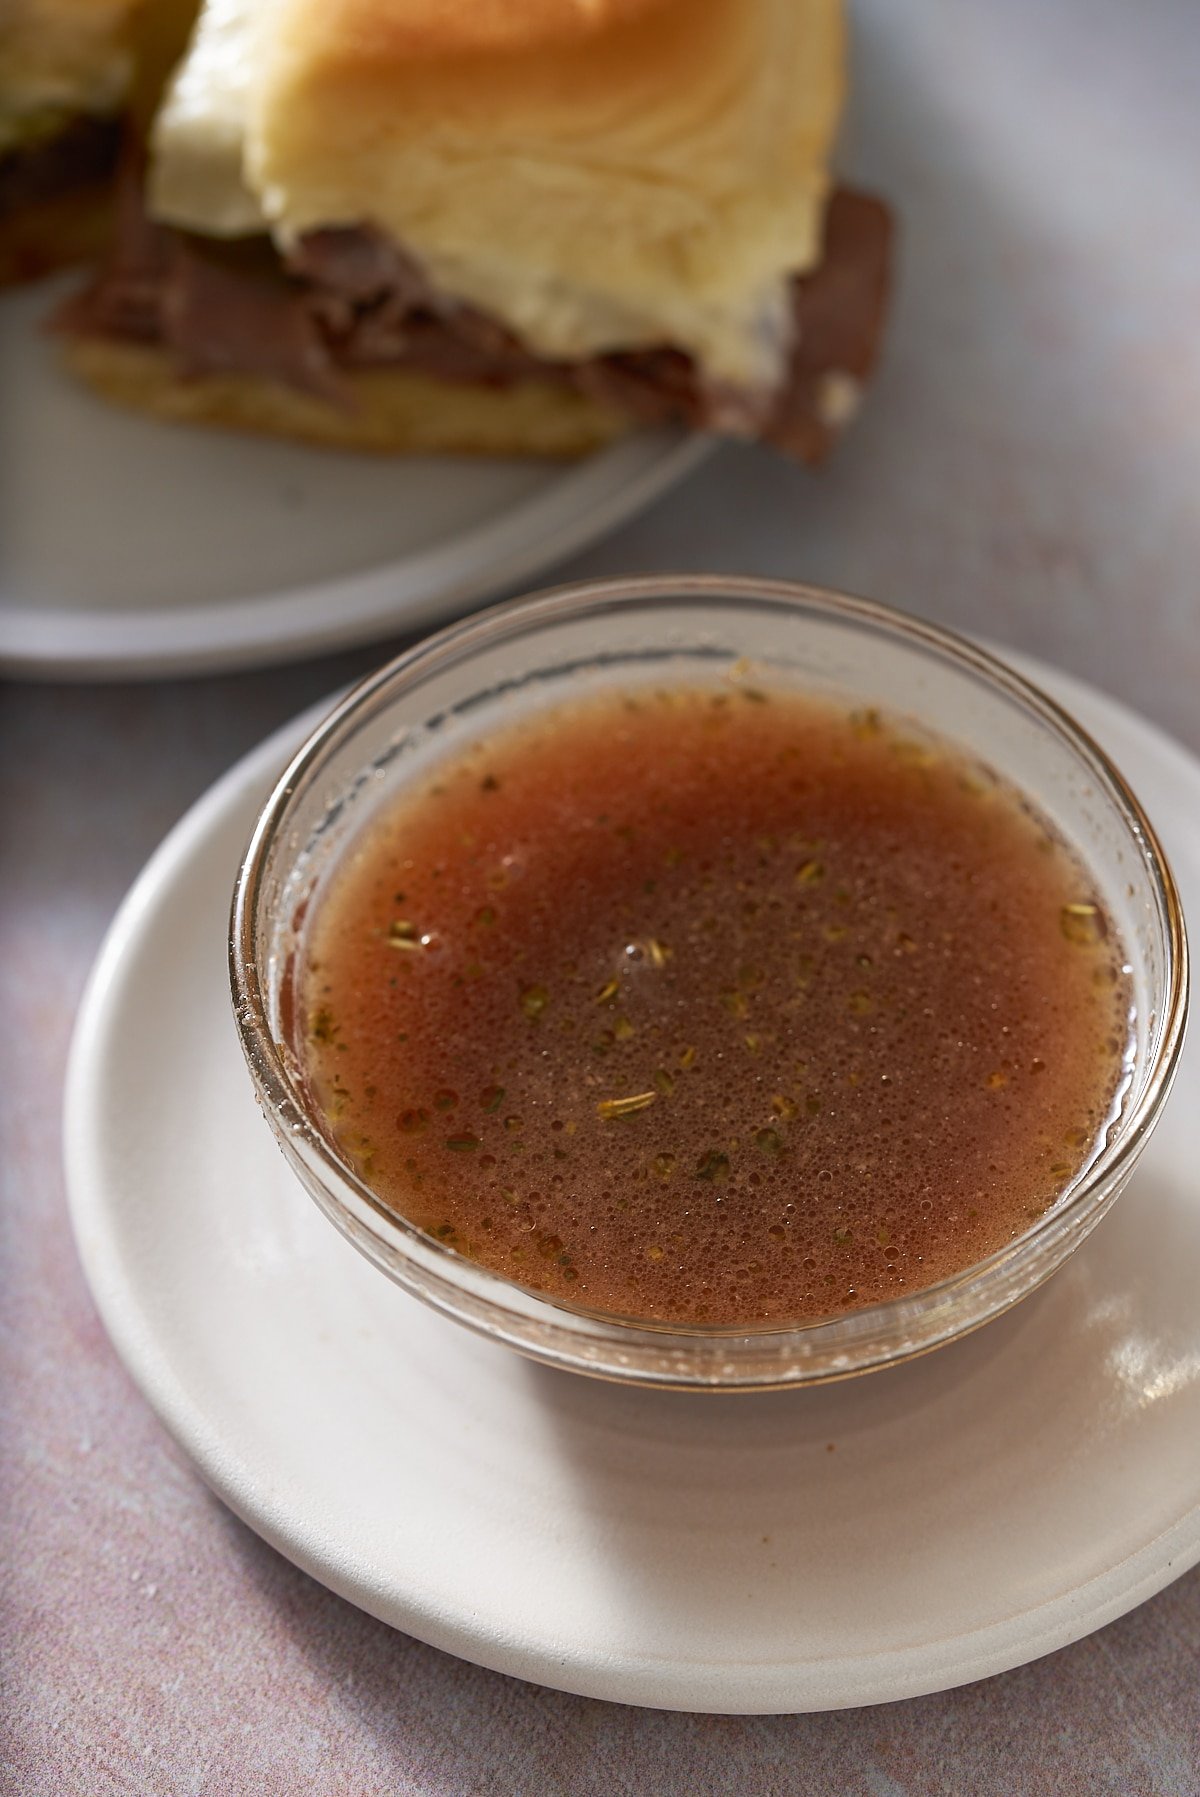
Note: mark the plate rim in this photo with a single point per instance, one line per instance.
(700, 1685)
(588, 499)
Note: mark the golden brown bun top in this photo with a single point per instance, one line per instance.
(29, 18)
(599, 174)
(430, 29)
(59, 58)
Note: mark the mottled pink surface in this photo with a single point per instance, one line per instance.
(1029, 469)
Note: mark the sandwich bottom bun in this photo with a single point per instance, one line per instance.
(44, 236)
(394, 411)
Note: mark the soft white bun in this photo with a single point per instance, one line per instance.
(598, 174)
(58, 58)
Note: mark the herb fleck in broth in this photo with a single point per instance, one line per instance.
(682, 1007)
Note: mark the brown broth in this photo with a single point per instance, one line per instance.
(714, 1007)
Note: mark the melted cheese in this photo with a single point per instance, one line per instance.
(199, 141)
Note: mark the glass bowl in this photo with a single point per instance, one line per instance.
(477, 675)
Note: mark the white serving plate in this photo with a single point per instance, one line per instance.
(900, 1533)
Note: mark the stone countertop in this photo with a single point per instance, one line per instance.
(1027, 468)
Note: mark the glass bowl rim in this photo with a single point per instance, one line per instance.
(511, 617)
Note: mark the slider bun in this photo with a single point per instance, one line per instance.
(72, 55)
(396, 410)
(598, 174)
(60, 29)
(75, 18)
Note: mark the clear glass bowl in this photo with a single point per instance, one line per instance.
(473, 677)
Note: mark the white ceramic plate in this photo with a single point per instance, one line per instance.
(129, 547)
(901, 1533)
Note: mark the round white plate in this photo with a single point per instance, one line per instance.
(130, 547)
(900, 1533)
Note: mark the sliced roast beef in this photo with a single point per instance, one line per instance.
(351, 298)
(220, 316)
(840, 309)
(124, 298)
(362, 266)
(83, 150)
